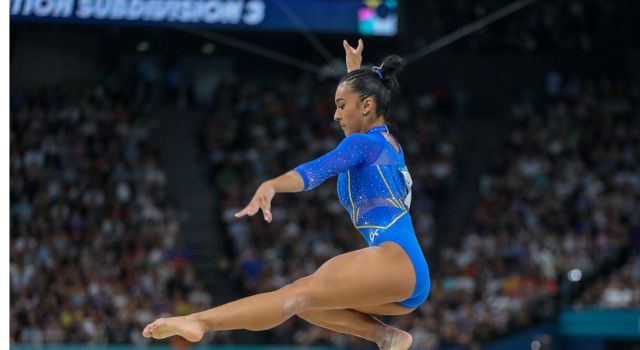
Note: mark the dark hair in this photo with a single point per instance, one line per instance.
(366, 81)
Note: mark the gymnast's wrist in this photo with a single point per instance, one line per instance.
(271, 184)
(288, 182)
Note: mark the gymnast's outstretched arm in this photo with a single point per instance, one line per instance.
(354, 150)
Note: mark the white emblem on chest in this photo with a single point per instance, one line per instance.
(373, 234)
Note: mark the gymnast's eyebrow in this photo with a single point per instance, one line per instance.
(339, 99)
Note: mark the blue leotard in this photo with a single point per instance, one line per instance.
(374, 186)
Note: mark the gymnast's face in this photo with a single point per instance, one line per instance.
(350, 110)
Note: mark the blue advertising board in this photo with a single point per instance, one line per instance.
(623, 324)
(366, 17)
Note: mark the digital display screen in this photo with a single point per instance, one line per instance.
(366, 17)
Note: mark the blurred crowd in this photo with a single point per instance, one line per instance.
(95, 252)
(563, 194)
(619, 290)
(581, 25)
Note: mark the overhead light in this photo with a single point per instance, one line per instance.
(208, 48)
(143, 46)
(535, 345)
(574, 275)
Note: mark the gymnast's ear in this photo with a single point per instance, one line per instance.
(368, 106)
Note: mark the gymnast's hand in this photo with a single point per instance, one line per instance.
(353, 56)
(261, 200)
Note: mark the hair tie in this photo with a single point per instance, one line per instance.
(378, 71)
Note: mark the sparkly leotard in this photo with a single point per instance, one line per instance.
(374, 186)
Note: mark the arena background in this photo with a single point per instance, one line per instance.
(137, 128)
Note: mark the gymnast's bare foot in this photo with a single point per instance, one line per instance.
(396, 339)
(166, 327)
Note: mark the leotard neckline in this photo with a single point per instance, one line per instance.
(379, 128)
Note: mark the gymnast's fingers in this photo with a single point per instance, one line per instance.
(346, 46)
(266, 210)
(241, 213)
(250, 210)
(360, 47)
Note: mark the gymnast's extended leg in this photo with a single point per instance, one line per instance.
(338, 284)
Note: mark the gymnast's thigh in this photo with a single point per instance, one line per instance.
(365, 277)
